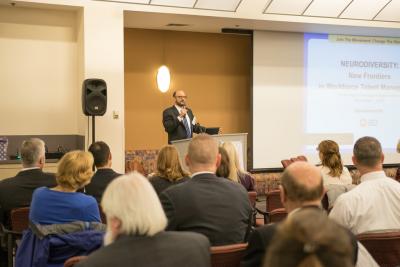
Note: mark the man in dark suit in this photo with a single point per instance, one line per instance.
(216, 207)
(16, 192)
(179, 121)
(104, 174)
(135, 231)
(301, 188)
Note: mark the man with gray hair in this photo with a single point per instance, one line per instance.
(214, 206)
(373, 205)
(135, 230)
(16, 192)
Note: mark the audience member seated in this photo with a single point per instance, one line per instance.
(62, 204)
(104, 174)
(308, 238)
(223, 168)
(332, 169)
(301, 189)
(236, 173)
(135, 231)
(169, 170)
(373, 205)
(207, 204)
(17, 191)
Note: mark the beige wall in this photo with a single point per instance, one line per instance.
(213, 69)
(38, 77)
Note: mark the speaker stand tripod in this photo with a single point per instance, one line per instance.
(93, 129)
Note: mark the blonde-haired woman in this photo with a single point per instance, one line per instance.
(332, 169)
(236, 173)
(169, 170)
(62, 204)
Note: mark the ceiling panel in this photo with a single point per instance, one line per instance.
(177, 3)
(326, 8)
(391, 12)
(227, 5)
(135, 1)
(289, 7)
(364, 9)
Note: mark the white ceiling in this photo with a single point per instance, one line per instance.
(380, 10)
(220, 5)
(371, 10)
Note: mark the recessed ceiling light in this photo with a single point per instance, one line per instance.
(176, 25)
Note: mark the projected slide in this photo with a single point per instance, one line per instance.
(352, 88)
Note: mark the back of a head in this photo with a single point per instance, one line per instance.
(368, 151)
(302, 182)
(101, 153)
(308, 238)
(223, 168)
(203, 150)
(330, 157)
(74, 169)
(169, 165)
(32, 150)
(132, 200)
(233, 160)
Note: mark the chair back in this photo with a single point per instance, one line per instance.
(286, 162)
(383, 247)
(74, 260)
(227, 256)
(19, 219)
(325, 202)
(273, 200)
(277, 215)
(397, 177)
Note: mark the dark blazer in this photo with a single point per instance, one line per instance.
(166, 249)
(99, 182)
(16, 192)
(210, 205)
(175, 129)
(261, 238)
(160, 183)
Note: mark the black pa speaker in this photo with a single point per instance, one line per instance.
(94, 97)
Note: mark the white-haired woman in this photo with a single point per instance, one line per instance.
(135, 230)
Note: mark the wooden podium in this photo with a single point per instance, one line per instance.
(238, 139)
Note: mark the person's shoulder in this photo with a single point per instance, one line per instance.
(169, 109)
(186, 240)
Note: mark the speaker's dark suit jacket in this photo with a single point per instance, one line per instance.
(99, 182)
(261, 238)
(17, 191)
(175, 128)
(165, 249)
(210, 205)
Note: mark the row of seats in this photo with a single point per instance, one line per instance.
(384, 248)
(221, 256)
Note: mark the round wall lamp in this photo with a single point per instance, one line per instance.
(163, 78)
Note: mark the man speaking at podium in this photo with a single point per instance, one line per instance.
(179, 121)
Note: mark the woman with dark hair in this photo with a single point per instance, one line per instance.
(236, 172)
(169, 170)
(223, 168)
(308, 238)
(332, 169)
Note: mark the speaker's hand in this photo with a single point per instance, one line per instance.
(183, 113)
